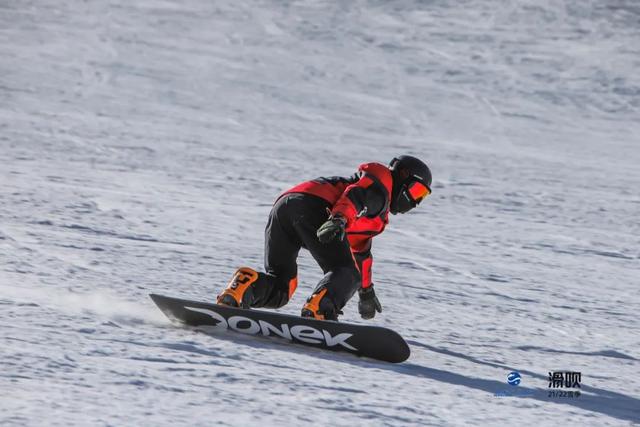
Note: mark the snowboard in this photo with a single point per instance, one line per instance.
(367, 341)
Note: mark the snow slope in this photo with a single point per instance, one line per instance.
(142, 144)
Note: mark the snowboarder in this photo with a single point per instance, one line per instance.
(335, 219)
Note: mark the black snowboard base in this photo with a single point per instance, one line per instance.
(367, 341)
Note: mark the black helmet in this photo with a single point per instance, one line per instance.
(411, 183)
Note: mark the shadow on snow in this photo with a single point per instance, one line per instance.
(606, 402)
(616, 405)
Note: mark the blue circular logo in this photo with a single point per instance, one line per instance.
(514, 378)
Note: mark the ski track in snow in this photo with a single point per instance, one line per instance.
(142, 144)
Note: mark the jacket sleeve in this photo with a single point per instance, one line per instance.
(362, 198)
(365, 262)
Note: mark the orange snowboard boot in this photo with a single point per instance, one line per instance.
(320, 307)
(235, 294)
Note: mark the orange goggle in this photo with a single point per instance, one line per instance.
(418, 191)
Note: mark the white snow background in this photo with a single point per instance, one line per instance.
(142, 144)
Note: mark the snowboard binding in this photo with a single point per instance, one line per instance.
(320, 307)
(238, 292)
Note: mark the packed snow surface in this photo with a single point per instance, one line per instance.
(142, 144)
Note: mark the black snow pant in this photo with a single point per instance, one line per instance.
(293, 222)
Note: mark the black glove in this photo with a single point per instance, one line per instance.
(332, 228)
(369, 303)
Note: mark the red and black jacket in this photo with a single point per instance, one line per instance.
(363, 200)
